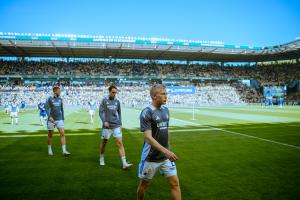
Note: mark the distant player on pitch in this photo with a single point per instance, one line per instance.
(14, 109)
(42, 113)
(23, 105)
(91, 108)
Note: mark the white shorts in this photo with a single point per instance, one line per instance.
(92, 112)
(148, 169)
(13, 114)
(106, 133)
(58, 124)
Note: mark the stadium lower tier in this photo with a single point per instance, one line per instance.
(210, 93)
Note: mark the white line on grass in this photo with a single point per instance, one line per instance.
(241, 134)
(43, 135)
(194, 129)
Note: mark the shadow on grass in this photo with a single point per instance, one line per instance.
(244, 126)
(278, 132)
(36, 125)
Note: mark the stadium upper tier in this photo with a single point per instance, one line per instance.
(97, 46)
(276, 73)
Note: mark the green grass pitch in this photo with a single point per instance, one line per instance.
(233, 152)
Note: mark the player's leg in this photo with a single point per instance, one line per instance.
(103, 145)
(41, 120)
(50, 134)
(121, 150)
(102, 151)
(12, 119)
(62, 136)
(175, 187)
(63, 141)
(120, 146)
(146, 172)
(168, 168)
(16, 118)
(143, 185)
(92, 117)
(92, 120)
(105, 135)
(45, 119)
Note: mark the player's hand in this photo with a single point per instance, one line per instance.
(171, 156)
(106, 125)
(51, 119)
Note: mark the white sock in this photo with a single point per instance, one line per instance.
(64, 148)
(12, 121)
(49, 148)
(16, 120)
(123, 158)
(101, 156)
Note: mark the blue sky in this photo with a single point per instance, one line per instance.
(240, 22)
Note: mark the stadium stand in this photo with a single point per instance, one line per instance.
(208, 92)
(268, 74)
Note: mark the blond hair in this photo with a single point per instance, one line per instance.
(155, 88)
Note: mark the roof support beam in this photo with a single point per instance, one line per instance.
(57, 50)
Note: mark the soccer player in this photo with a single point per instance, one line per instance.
(261, 101)
(7, 107)
(110, 114)
(156, 154)
(55, 113)
(23, 105)
(14, 109)
(42, 112)
(92, 107)
(267, 99)
(271, 101)
(280, 102)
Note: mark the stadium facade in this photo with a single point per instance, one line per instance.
(118, 47)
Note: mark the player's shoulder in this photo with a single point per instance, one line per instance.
(105, 98)
(49, 98)
(147, 111)
(165, 108)
(118, 101)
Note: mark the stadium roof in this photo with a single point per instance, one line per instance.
(97, 46)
